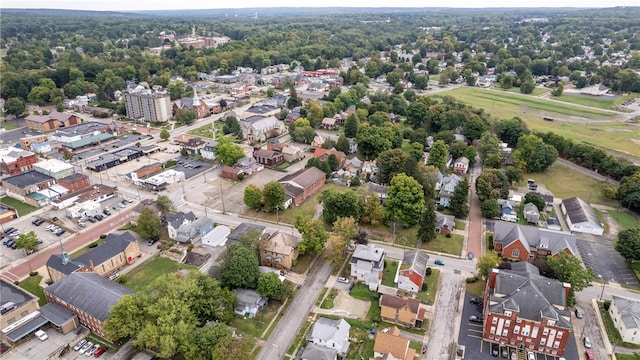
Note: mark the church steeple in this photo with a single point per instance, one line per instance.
(196, 99)
(64, 255)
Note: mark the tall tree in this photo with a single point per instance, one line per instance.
(14, 106)
(536, 199)
(490, 209)
(165, 205)
(28, 242)
(342, 144)
(240, 269)
(253, 197)
(492, 184)
(227, 152)
(273, 196)
(372, 208)
(427, 229)
(231, 126)
(567, 268)
(629, 244)
(488, 145)
(510, 130)
(313, 233)
(405, 201)
(458, 204)
(351, 126)
(438, 154)
(269, 285)
(390, 163)
(534, 154)
(164, 134)
(487, 262)
(337, 204)
(148, 224)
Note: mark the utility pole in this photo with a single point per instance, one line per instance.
(222, 197)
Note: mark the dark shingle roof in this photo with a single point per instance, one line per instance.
(533, 296)
(27, 179)
(241, 229)
(304, 177)
(533, 237)
(398, 302)
(89, 292)
(114, 244)
(55, 313)
(55, 262)
(579, 211)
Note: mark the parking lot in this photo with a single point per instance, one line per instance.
(599, 254)
(471, 337)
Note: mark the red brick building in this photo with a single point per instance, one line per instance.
(524, 243)
(323, 154)
(54, 120)
(525, 310)
(302, 184)
(270, 158)
(14, 161)
(75, 182)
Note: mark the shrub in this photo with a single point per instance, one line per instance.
(16, 282)
(606, 305)
(190, 247)
(103, 236)
(429, 271)
(424, 286)
(471, 280)
(122, 279)
(33, 273)
(95, 243)
(294, 262)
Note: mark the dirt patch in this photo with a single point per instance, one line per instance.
(197, 258)
(355, 307)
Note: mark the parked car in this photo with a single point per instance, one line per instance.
(14, 246)
(9, 230)
(10, 243)
(82, 225)
(470, 255)
(505, 353)
(531, 356)
(98, 217)
(6, 241)
(579, 314)
(91, 220)
(153, 241)
(514, 355)
(343, 280)
(80, 345)
(86, 347)
(106, 212)
(3, 348)
(60, 232)
(495, 350)
(41, 335)
(101, 350)
(92, 350)
(589, 354)
(476, 301)
(439, 262)
(476, 319)
(587, 342)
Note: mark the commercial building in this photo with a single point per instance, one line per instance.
(142, 104)
(52, 121)
(525, 310)
(26, 187)
(581, 217)
(55, 168)
(14, 161)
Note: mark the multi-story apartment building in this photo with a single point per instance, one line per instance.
(145, 105)
(525, 310)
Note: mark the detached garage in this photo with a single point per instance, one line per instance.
(581, 217)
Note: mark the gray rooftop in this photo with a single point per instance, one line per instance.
(533, 296)
(331, 330)
(579, 211)
(80, 129)
(89, 292)
(442, 220)
(176, 219)
(629, 311)
(28, 178)
(55, 262)
(14, 294)
(556, 241)
(55, 313)
(416, 260)
(103, 159)
(114, 244)
(369, 253)
(317, 352)
(243, 228)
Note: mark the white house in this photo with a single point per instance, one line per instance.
(259, 128)
(332, 334)
(88, 208)
(367, 265)
(412, 270)
(461, 165)
(625, 314)
(209, 150)
(175, 221)
(447, 186)
(581, 217)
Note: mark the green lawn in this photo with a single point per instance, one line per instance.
(389, 273)
(477, 288)
(22, 208)
(86, 249)
(635, 356)
(256, 326)
(145, 274)
(361, 292)
(459, 225)
(624, 219)
(516, 90)
(606, 132)
(302, 263)
(597, 102)
(602, 220)
(205, 131)
(32, 285)
(565, 183)
(449, 245)
(8, 126)
(429, 296)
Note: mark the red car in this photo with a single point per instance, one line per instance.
(101, 350)
(589, 354)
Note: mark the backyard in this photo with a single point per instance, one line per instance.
(428, 296)
(32, 285)
(145, 274)
(389, 273)
(22, 208)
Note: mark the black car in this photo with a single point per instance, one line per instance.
(9, 230)
(60, 232)
(91, 220)
(98, 217)
(476, 301)
(495, 350)
(153, 241)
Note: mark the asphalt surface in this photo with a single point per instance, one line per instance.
(599, 254)
(442, 328)
(277, 345)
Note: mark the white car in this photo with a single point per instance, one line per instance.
(86, 347)
(80, 345)
(41, 335)
(531, 356)
(343, 280)
(92, 350)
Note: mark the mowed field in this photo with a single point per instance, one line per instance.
(589, 125)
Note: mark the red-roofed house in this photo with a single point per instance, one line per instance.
(323, 154)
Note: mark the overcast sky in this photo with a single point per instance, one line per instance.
(200, 4)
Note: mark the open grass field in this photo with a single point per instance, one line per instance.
(635, 356)
(145, 274)
(429, 296)
(592, 125)
(32, 285)
(597, 102)
(205, 131)
(516, 90)
(565, 183)
(22, 208)
(449, 245)
(624, 219)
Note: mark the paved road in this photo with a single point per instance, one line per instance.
(291, 322)
(586, 171)
(446, 319)
(21, 268)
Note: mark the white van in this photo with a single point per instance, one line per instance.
(41, 335)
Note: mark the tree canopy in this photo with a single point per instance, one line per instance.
(405, 201)
(569, 269)
(629, 244)
(240, 268)
(337, 204)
